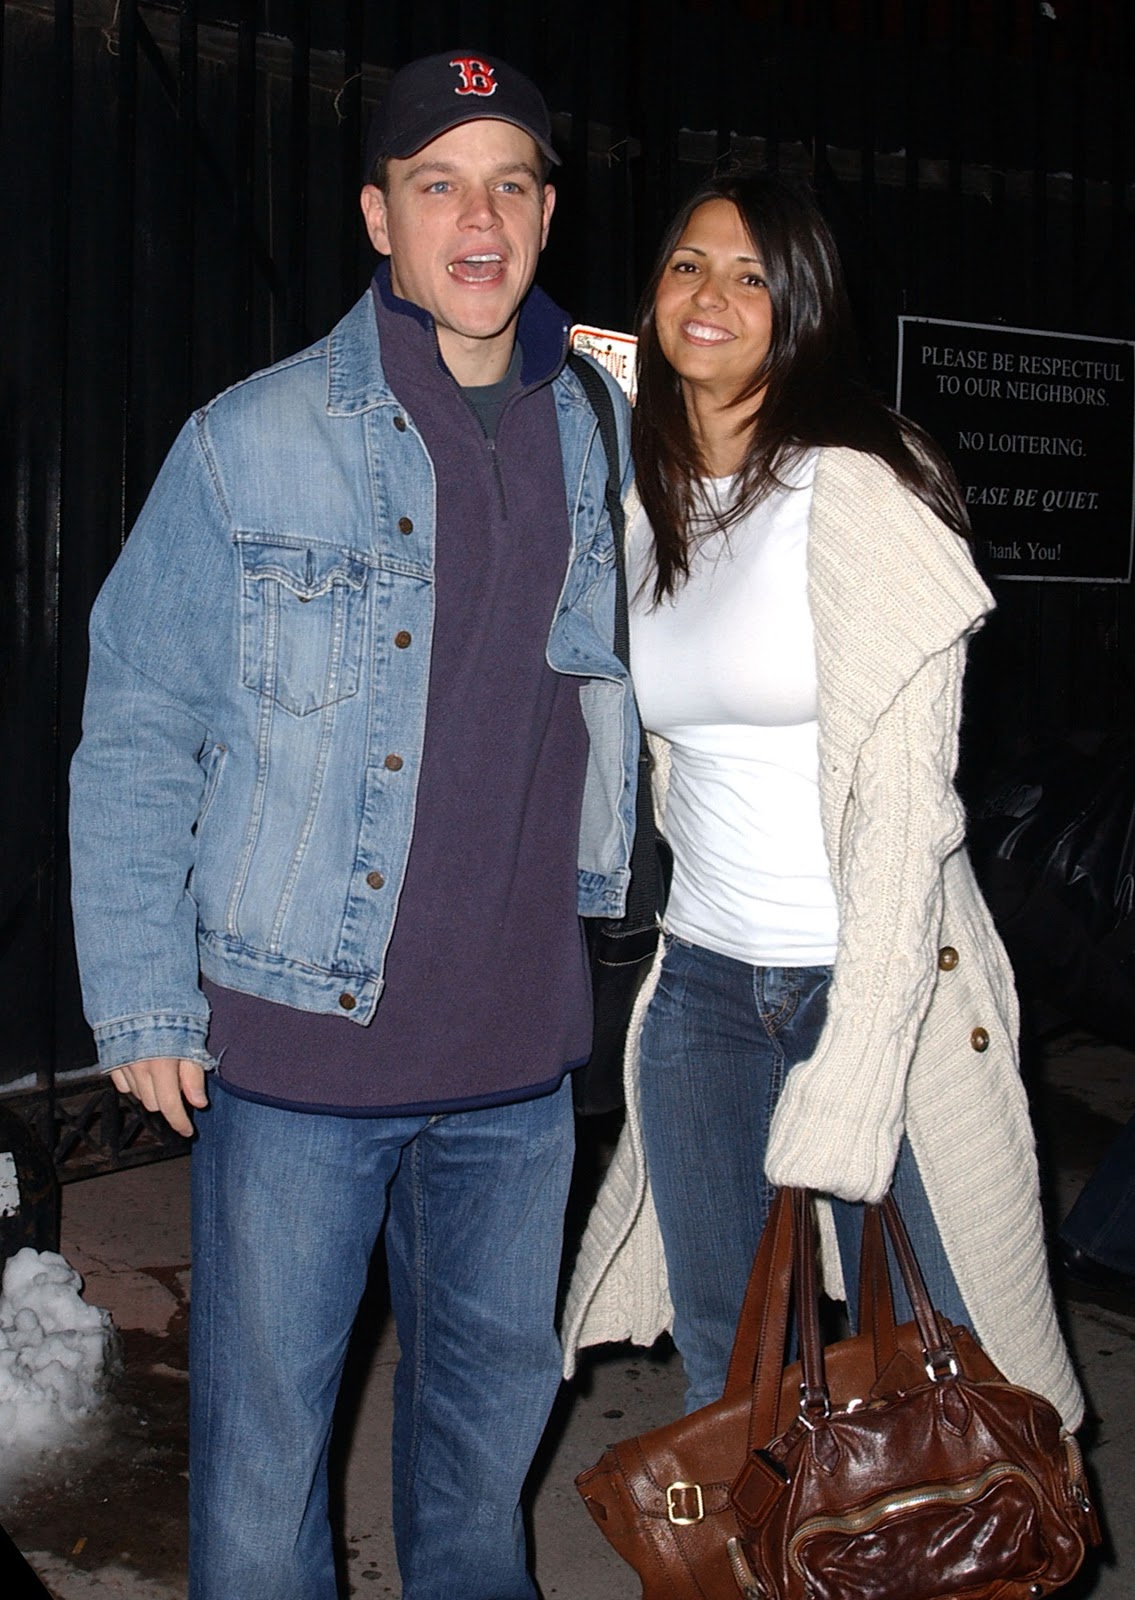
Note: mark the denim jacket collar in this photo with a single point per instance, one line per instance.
(356, 382)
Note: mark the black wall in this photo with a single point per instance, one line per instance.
(179, 205)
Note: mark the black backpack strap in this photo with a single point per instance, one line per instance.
(646, 893)
(599, 396)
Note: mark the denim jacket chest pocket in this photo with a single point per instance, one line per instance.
(302, 612)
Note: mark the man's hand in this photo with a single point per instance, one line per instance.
(165, 1084)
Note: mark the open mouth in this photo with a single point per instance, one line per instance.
(487, 268)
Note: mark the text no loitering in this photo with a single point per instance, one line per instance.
(1019, 444)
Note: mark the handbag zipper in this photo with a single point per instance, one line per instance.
(926, 1494)
(1075, 1468)
(747, 1580)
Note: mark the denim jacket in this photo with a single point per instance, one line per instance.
(243, 796)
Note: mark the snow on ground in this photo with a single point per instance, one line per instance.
(55, 1356)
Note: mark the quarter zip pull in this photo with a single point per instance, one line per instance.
(498, 476)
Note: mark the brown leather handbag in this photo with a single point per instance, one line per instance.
(758, 1495)
(937, 1484)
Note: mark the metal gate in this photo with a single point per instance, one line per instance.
(180, 207)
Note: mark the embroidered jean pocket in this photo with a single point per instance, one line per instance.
(301, 621)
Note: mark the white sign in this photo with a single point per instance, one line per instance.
(615, 351)
(1040, 428)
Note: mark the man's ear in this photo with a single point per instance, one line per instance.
(373, 203)
(549, 205)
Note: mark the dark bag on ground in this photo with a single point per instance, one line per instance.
(1053, 843)
(881, 1467)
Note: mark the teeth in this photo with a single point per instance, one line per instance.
(472, 262)
(699, 330)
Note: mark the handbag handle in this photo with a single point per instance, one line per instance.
(937, 1345)
(763, 1324)
(877, 1303)
(768, 1294)
(814, 1399)
(785, 1270)
(766, 1300)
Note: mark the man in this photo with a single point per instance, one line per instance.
(356, 753)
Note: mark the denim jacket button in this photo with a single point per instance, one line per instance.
(393, 763)
(403, 639)
(405, 525)
(400, 424)
(375, 880)
(348, 1002)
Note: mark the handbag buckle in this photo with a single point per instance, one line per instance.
(814, 1408)
(677, 1505)
(940, 1366)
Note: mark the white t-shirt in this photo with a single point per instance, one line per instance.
(725, 672)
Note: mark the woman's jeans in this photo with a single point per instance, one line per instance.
(286, 1210)
(718, 1038)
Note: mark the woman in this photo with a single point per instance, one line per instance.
(833, 1007)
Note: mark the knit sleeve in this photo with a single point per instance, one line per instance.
(840, 1118)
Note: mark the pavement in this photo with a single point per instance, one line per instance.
(105, 1515)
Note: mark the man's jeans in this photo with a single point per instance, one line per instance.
(718, 1039)
(286, 1210)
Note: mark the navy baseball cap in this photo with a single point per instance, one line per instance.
(437, 93)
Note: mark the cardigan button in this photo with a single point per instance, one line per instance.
(947, 958)
(979, 1039)
(405, 525)
(348, 1002)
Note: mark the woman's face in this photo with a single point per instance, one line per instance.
(711, 308)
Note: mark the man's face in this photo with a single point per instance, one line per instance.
(463, 222)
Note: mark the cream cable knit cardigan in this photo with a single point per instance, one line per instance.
(912, 1041)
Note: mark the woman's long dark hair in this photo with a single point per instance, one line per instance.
(807, 391)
